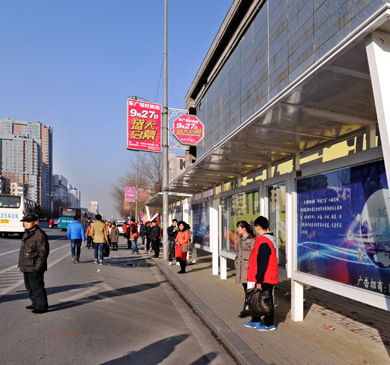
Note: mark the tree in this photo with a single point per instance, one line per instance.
(149, 179)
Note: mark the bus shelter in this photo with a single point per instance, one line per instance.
(314, 159)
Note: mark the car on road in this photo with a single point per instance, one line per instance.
(120, 224)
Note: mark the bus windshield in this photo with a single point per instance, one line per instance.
(68, 212)
(9, 201)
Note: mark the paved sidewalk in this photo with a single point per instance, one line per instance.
(361, 335)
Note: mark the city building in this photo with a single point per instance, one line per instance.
(74, 196)
(293, 96)
(60, 193)
(94, 208)
(176, 165)
(27, 158)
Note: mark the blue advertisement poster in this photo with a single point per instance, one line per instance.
(344, 226)
(200, 224)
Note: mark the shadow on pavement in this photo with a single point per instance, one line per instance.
(49, 290)
(205, 359)
(155, 353)
(103, 295)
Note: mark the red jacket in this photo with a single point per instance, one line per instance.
(133, 224)
(272, 270)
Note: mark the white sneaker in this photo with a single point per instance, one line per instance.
(170, 263)
(178, 263)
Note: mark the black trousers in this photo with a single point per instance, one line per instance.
(156, 248)
(268, 319)
(35, 285)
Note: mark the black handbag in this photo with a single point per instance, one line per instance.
(106, 250)
(259, 302)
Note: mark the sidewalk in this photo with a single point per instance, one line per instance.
(361, 334)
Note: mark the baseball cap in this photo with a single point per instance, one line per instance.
(29, 218)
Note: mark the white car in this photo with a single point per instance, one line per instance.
(120, 224)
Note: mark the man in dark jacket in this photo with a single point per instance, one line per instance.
(155, 238)
(172, 233)
(142, 232)
(33, 263)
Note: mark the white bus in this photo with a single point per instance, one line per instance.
(12, 209)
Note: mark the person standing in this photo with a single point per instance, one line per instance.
(182, 239)
(127, 235)
(88, 234)
(172, 233)
(148, 229)
(76, 236)
(142, 232)
(33, 263)
(99, 237)
(155, 235)
(134, 235)
(263, 270)
(114, 235)
(244, 246)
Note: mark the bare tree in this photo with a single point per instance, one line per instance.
(149, 179)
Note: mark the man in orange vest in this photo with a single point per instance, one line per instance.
(263, 270)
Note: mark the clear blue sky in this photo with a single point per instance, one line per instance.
(72, 63)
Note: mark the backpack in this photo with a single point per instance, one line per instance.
(133, 228)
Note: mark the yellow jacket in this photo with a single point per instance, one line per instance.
(99, 232)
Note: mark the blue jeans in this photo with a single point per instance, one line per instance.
(98, 246)
(143, 239)
(76, 248)
(135, 247)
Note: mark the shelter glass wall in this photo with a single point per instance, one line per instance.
(201, 223)
(285, 38)
(177, 213)
(235, 208)
(277, 218)
(344, 226)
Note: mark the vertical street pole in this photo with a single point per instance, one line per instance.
(165, 137)
(136, 191)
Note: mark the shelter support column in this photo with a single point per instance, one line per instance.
(296, 301)
(223, 275)
(378, 55)
(214, 234)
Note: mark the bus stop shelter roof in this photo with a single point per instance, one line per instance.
(157, 199)
(330, 103)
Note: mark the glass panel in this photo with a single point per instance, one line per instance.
(277, 218)
(235, 208)
(201, 223)
(344, 226)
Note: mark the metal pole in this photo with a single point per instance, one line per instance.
(165, 137)
(136, 191)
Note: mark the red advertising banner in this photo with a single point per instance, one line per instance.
(129, 194)
(143, 194)
(143, 126)
(188, 130)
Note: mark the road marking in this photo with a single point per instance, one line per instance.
(15, 271)
(8, 252)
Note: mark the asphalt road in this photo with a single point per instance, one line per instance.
(126, 313)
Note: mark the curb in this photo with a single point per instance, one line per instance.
(239, 349)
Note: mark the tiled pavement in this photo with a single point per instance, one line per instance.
(361, 334)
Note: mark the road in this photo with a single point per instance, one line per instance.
(126, 313)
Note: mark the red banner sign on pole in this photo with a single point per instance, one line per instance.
(143, 126)
(188, 130)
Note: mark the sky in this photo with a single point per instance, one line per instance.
(72, 64)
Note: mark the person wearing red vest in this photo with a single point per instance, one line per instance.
(134, 235)
(263, 270)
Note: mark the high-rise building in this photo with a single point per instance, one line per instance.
(74, 197)
(27, 158)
